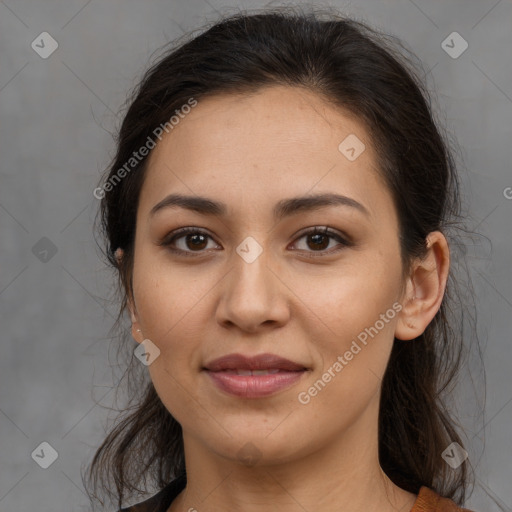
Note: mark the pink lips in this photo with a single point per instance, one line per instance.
(261, 375)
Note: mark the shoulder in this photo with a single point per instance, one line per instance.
(429, 501)
(161, 501)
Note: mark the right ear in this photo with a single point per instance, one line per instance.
(136, 328)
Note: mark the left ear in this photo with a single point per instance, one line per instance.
(425, 288)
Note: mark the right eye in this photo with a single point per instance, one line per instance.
(193, 238)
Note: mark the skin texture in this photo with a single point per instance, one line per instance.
(251, 151)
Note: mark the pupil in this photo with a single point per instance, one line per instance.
(194, 239)
(317, 240)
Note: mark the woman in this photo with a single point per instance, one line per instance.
(276, 213)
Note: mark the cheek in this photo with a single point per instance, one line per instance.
(168, 299)
(352, 296)
(355, 319)
(170, 310)
(353, 354)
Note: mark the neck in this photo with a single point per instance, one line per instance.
(343, 474)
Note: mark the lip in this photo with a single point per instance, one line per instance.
(260, 362)
(222, 372)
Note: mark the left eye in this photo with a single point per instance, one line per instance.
(197, 240)
(320, 239)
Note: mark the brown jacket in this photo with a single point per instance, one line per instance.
(429, 501)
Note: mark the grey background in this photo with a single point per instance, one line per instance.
(56, 115)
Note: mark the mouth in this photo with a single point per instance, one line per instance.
(253, 377)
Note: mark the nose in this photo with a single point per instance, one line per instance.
(253, 297)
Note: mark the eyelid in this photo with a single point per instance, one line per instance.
(324, 230)
(343, 239)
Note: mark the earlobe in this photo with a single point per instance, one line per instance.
(425, 289)
(118, 254)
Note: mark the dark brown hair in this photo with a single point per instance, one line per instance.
(371, 76)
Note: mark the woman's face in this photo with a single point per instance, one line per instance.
(252, 279)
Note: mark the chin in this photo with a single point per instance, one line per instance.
(257, 447)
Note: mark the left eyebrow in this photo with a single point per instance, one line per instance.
(284, 208)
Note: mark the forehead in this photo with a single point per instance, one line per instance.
(251, 149)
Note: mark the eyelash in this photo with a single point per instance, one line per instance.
(168, 240)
